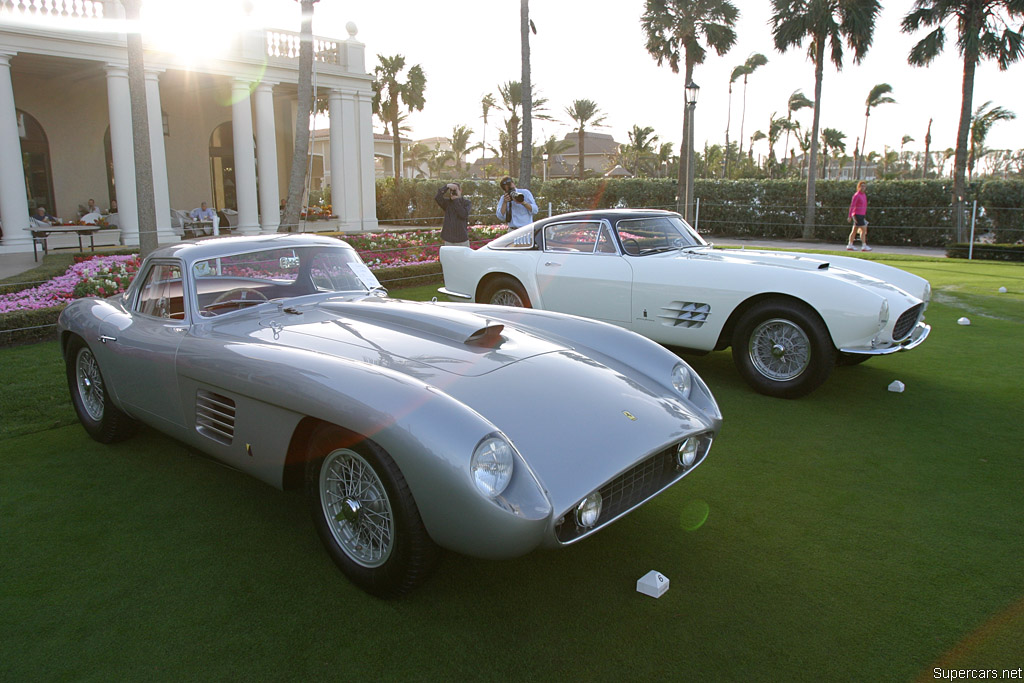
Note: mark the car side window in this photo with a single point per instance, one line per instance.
(160, 294)
(605, 242)
(572, 237)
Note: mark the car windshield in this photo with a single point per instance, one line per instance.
(228, 283)
(642, 236)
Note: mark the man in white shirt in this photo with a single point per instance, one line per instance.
(203, 213)
(515, 207)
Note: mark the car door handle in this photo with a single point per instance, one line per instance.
(103, 338)
(551, 263)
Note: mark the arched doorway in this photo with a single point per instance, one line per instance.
(35, 159)
(222, 166)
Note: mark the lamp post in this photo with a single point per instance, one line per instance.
(544, 157)
(692, 91)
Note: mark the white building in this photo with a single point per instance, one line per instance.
(215, 122)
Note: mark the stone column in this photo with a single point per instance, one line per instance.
(123, 151)
(161, 193)
(266, 159)
(341, 170)
(245, 158)
(13, 202)
(367, 178)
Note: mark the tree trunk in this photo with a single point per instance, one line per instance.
(927, 148)
(962, 134)
(580, 141)
(812, 168)
(728, 124)
(526, 166)
(687, 153)
(396, 152)
(140, 133)
(300, 151)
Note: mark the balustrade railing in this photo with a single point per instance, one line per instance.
(69, 9)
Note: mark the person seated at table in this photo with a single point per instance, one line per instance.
(44, 217)
(91, 207)
(203, 213)
(113, 206)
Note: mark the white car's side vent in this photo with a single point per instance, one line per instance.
(685, 314)
(215, 416)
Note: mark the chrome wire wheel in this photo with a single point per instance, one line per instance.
(90, 383)
(356, 507)
(506, 297)
(779, 349)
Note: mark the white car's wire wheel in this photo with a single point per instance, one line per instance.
(365, 514)
(779, 349)
(90, 396)
(505, 291)
(357, 508)
(782, 348)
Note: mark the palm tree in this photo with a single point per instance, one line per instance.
(487, 103)
(525, 25)
(664, 157)
(584, 113)
(551, 148)
(775, 128)
(461, 146)
(831, 139)
(390, 94)
(674, 29)
(416, 156)
(878, 95)
(984, 118)
(821, 22)
(300, 150)
(903, 158)
(641, 146)
(797, 101)
(983, 32)
(758, 135)
(733, 77)
(512, 98)
(755, 60)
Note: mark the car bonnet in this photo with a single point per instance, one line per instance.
(416, 338)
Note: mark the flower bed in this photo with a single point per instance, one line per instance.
(90, 276)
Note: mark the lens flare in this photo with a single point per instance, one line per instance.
(694, 514)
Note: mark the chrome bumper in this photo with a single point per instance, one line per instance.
(920, 333)
(454, 295)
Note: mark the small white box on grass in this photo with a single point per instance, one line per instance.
(963, 321)
(1002, 290)
(654, 584)
(897, 387)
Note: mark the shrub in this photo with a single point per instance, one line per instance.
(987, 252)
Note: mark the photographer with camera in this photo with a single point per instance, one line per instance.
(515, 207)
(456, 215)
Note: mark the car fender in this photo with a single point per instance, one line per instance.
(467, 271)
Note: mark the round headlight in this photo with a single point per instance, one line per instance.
(686, 454)
(682, 380)
(589, 510)
(491, 466)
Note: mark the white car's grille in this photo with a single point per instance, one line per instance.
(906, 322)
(685, 314)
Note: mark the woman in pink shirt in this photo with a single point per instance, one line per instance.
(858, 214)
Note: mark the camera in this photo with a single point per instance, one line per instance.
(518, 197)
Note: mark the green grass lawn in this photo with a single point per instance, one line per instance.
(855, 534)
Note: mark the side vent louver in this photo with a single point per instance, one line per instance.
(685, 314)
(215, 416)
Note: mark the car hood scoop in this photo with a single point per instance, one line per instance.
(454, 326)
(420, 339)
(770, 258)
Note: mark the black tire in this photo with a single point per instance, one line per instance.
(365, 514)
(848, 359)
(96, 411)
(505, 291)
(782, 349)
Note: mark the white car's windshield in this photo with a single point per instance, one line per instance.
(642, 236)
(227, 283)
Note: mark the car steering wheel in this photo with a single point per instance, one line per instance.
(631, 246)
(239, 296)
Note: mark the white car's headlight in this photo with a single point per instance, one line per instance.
(883, 313)
(682, 380)
(491, 466)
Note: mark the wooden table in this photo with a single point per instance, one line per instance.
(39, 235)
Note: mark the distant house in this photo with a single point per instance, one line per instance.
(599, 150)
(66, 132)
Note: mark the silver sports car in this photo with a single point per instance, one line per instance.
(486, 430)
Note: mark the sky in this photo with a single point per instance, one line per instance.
(591, 50)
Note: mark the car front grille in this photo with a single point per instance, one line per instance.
(906, 323)
(632, 488)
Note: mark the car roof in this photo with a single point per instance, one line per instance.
(197, 250)
(605, 214)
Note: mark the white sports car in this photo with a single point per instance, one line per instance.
(789, 318)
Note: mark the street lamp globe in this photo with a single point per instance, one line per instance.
(692, 91)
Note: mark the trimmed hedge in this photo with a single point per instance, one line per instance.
(903, 212)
